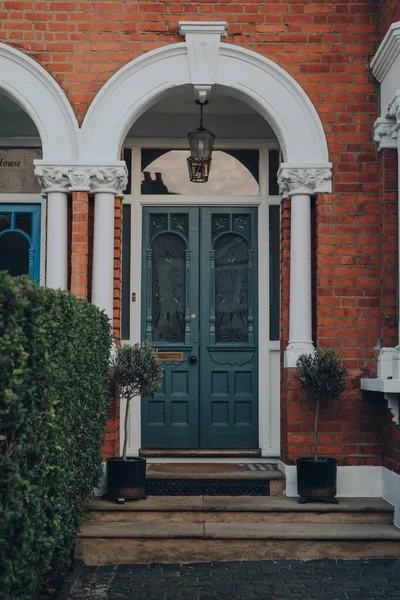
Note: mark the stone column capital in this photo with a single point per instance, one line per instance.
(386, 129)
(309, 180)
(110, 178)
(394, 110)
(385, 133)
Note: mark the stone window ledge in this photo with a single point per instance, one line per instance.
(388, 380)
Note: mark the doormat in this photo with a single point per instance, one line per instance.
(207, 487)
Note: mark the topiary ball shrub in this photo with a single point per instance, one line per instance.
(323, 378)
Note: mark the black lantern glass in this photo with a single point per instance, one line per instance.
(201, 142)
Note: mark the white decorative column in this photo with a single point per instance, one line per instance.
(54, 186)
(299, 184)
(106, 183)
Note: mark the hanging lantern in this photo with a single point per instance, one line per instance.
(201, 142)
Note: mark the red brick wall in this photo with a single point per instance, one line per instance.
(80, 247)
(389, 241)
(390, 13)
(389, 174)
(326, 46)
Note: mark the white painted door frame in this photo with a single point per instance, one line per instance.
(269, 352)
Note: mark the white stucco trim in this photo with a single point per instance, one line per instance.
(387, 53)
(244, 74)
(391, 491)
(40, 96)
(359, 481)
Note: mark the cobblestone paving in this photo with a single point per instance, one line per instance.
(266, 580)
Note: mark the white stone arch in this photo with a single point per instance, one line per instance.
(40, 96)
(203, 61)
(247, 75)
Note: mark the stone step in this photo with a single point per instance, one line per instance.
(125, 543)
(236, 509)
(214, 479)
(216, 471)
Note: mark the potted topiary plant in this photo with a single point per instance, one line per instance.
(137, 373)
(323, 378)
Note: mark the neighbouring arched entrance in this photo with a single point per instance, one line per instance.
(40, 125)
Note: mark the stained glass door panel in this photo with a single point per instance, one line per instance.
(170, 321)
(229, 312)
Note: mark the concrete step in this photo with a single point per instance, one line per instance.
(238, 509)
(116, 543)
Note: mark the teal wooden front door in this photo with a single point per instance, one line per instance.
(199, 310)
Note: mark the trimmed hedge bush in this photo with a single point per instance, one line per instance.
(54, 357)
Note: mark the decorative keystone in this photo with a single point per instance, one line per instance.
(310, 181)
(203, 39)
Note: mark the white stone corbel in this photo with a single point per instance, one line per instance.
(387, 381)
(385, 133)
(203, 39)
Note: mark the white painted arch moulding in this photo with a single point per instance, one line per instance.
(40, 96)
(244, 74)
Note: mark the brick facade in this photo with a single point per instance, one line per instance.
(326, 47)
(390, 13)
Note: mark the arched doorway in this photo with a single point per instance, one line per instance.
(210, 68)
(203, 297)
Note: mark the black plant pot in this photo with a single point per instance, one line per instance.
(316, 479)
(126, 478)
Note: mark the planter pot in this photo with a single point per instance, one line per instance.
(316, 479)
(126, 478)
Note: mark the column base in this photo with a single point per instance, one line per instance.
(294, 350)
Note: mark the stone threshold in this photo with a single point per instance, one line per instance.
(212, 471)
(241, 504)
(196, 453)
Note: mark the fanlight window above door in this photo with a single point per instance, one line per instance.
(234, 173)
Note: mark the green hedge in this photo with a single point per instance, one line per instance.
(54, 353)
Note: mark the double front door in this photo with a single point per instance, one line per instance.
(199, 307)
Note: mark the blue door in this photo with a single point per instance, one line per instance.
(200, 312)
(20, 239)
